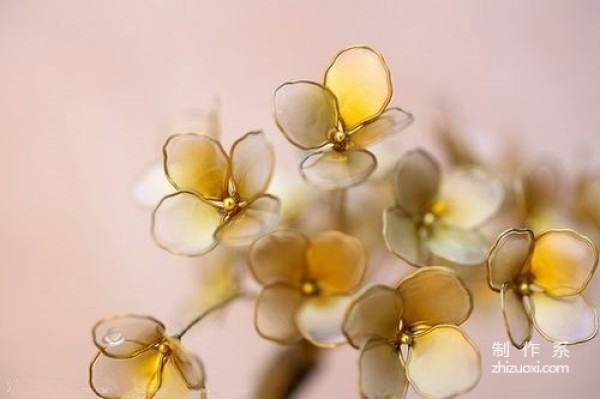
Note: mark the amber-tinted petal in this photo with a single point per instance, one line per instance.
(381, 372)
(252, 162)
(275, 312)
(508, 256)
(112, 378)
(416, 182)
(402, 238)
(336, 261)
(190, 367)
(434, 295)
(331, 170)
(198, 164)
(373, 314)
(392, 121)
(537, 187)
(319, 320)
(458, 246)
(173, 386)
(443, 362)
(127, 335)
(305, 112)
(563, 262)
(569, 320)
(257, 218)
(517, 320)
(470, 197)
(279, 256)
(360, 80)
(185, 224)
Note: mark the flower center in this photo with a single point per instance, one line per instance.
(403, 337)
(164, 348)
(229, 204)
(310, 288)
(339, 139)
(523, 285)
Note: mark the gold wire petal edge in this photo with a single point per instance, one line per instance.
(505, 318)
(491, 253)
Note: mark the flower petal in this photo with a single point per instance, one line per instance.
(252, 162)
(402, 237)
(198, 164)
(113, 378)
(360, 80)
(336, 261)
(381, 372)
(508, 257)
(416, 182)
(331, 169)
(392, 121)
(443, 362)
(537, 186)
(124, 336)
(375, 313)
(568, 320)
(434, 295)
(319, 320)
(563, 262)
(279, 256)
(185, 224)
(470, 197)
(305, 112)
(458, 246)
(190, 367)
(517, 320)
(275, 311)
(257, 218)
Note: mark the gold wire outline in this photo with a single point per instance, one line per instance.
(368, 345)
(409, 119)
(427, 257)
(510, 286)
(493, 252)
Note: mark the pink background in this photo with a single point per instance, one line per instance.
(85, 87)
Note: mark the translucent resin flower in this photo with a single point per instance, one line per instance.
(438, 218)
(339, 118)
(410, 335)
(540, 280)
(137, 360)
(305, 285)
(220, 197)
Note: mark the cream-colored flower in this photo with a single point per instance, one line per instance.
(540, 280)
(340, 118)
(410, 334)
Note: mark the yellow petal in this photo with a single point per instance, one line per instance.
(125, 336)
(255, 219)
(360, 80)
(402, 238)
(508, 257)
(279, 256)
(517, 320)
(185, 224)
(458, 246)
(392, 121)
(252, 162)
(336, 261)
(563, 262)
(198, 164)
(275, 311)
(381, 371)
(305, 112)
(568, 320)
(375, 313)
(173, 386)
(433, 296)
(416, 182)
(443, 362)
(319, 320)
(189, 367)
(470, 197)
(331, 170)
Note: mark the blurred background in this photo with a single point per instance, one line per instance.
(86, 88)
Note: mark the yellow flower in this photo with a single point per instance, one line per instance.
(410, 334)
(137, 360)
(220, 196)
(305, 285)
(540, 280)
(438, 218)
(340, 117)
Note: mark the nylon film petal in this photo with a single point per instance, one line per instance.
(390, 122)
(508, 257)
(252, 162)
(402, 237)
(381, 372)
(331, 169)
(517, 319)
(416, 182)
(274, 313)
(125, 336)
(319, 319)
(463, 247)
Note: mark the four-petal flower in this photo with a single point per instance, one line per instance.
(411, 334)
(540, 280)
(220, 197)
(339, 118)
